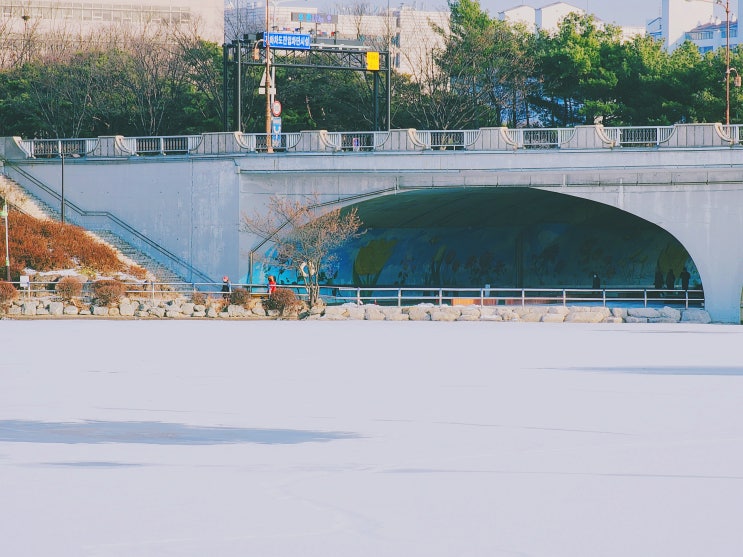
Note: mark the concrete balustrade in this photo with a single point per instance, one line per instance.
(496, 139)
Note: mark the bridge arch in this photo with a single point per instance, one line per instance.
(506, 237)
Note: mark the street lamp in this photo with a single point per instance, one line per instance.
(726, 5)
(269, 142)
(62, 154)
(4, 214)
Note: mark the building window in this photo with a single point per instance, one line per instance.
(700, 35)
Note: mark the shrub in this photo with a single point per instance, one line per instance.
(69, 287)
(282, 299)
(8, 293)
(108, 291)
(198, 298)
(239, 297)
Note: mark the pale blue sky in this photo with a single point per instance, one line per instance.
(623, 12)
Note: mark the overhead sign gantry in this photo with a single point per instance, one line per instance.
(292, 50)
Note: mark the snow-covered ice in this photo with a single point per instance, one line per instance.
(369, 439)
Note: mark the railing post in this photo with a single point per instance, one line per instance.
(523, 298)
(358, 296)
(399, 297)
(645, 296)
(564, 298)
(603, 296)
(441, 297)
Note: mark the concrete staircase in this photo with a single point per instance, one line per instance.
(161, 273)
(32, 205)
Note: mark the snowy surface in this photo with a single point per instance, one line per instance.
(370, 439)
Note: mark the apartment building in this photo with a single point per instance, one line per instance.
(407, 32)
(548, 18)
(703, 22)
(20, 17)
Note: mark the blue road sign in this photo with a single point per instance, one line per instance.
(288, 41)
(275, 131)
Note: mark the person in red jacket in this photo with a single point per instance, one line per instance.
(271, 284)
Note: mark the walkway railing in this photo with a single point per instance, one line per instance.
(485, 139)
(408, 296)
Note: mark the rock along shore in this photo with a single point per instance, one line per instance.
(183, 309)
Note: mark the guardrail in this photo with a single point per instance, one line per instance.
(408, 296)
(492, 139)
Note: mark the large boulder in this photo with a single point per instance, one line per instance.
(694, 315)
(418, 313)
(645, 313)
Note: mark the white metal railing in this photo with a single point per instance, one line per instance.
(361, 141)
(356, 141)
(639, 136)
(48, 148)
(399, 296)
(540, 138)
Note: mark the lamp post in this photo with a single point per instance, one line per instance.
(4, 214)
(61, 154)
(269, 145)
(389, 66)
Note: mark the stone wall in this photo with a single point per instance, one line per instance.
(216, 309)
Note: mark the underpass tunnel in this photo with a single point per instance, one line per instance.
(506, 237)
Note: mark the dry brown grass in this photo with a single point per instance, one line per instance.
(46, 245)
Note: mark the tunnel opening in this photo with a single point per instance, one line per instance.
(507, 237)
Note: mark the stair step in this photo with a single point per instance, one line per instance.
(158, 270)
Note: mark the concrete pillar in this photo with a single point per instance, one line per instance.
(109, 146)
(718, 255)
(11, 149)
(588, 137)
(494, 139)
(402, 140)
(221, 143)
(698, 135)
(309, 141)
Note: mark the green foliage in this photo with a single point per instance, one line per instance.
(483, 72)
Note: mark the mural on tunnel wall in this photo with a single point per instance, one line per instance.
(550, 256)
(502, 237)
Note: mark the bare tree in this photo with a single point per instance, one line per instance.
(306, 235)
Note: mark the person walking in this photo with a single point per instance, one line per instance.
(271, 284)
(670, 280)
(658, 282)
(596, 280)
(685, 276)
(226, 287)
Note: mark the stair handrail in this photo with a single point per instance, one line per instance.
(113, 218)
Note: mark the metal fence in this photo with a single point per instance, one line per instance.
(359, 141)
(408, 296)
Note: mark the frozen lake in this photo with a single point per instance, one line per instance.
(369, 439)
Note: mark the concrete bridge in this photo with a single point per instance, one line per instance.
(182, 199)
